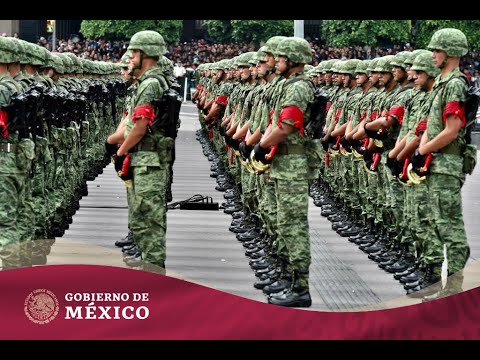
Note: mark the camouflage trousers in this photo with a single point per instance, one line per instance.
(292, 224)
(12, 204)
(446, 225)
(148, 213)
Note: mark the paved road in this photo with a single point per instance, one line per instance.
(201, 249)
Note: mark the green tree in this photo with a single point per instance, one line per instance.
(365, 32)
(219, 30)
(258, 31)
(124, 29)
(426, 28)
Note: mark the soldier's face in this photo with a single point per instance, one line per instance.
(374, 77)
(361, 79)
(398, 73)
(262, 67)
(410, 73)
(244, 73)
(253, 71)
(270, 61)
(420, 79)
(281, 64)
(438, 57)
(328, 78)
(384, 78)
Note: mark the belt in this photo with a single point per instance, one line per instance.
(450, 149)
(284, 149)
(145, 145)
(8, 148)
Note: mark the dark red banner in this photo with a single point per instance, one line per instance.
(101, 302)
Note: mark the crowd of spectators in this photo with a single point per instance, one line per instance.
(193, 53)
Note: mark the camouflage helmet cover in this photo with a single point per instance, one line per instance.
(271, 45)
(399, 59)
(362, 67)
(452, 41)
(7, 55)
(424, 62)
(384, 64)
(412, 55)
(148, 41)
(295, 49)
(349, 66)
(58, 64)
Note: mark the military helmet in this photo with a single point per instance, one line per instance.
(349, 66)
(452, 41)
(295, 49)
(58, 64)
(271, 45)
(412, 55)
(7, 54)
(148, 41)
(68, 64)
(254, 59)
(336, 65)
(362, 67)
(20, 50)
(319, 68)
(76, 62)
(124, 60)
(308, 67)
(424, 62)
(372, 65)
(245, 58)
(327, 65)
(48, 60)
(384, 64)
(399, 59)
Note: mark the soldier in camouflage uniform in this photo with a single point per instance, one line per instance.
(444, 140)
(290, 169)
(149, 159)
(16, 154)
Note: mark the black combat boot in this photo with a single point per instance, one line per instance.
(295, 296)
(429, 285)
(453, 286)
(284, 281)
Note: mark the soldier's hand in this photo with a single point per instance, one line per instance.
(260, 152)
(245, 150)
(110, 149)
(417, 160)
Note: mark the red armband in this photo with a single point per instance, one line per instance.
(270, 117)
(199, 87)
(398, 112)
(421, 127)
(143, 111)
(294, 113)
(337, 115)
(329, 104)
(373, 115)
(362, 117)
(457, 110)
(222, 100)
(3, 123)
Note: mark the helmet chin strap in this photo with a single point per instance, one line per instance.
(444, 62)
(139, 66)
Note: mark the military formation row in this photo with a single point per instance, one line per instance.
(55, 112)
(382, 142)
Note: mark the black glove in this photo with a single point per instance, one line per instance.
(392, 163)
(260, 153)
(205, 111)
(222, 130)
(228, 139)
(324, 144)
(110, 149)
(346, 144)
(235, 143)
(417, 160)
(119, 162)
(245, 150)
